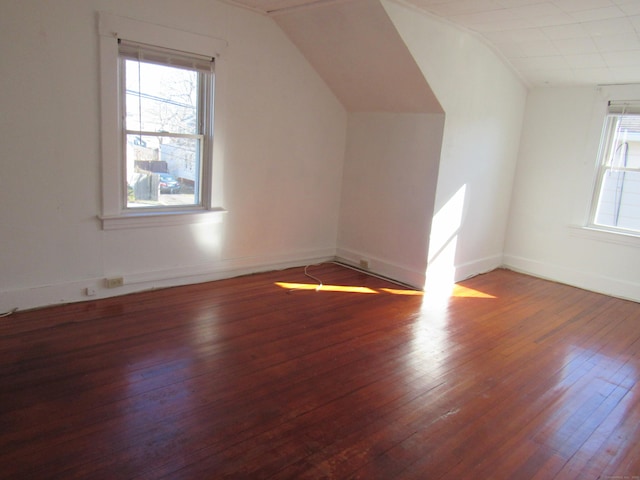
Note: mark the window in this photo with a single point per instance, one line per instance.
(616, 204)
(160, 165)
(166, 99)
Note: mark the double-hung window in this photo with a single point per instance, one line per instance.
(159, 163)
(616, 203)
(166, 125)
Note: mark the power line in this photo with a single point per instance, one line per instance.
(159, 99)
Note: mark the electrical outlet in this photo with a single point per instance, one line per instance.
(364, 264)
(113, 282)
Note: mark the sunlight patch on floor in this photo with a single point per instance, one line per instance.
(457, 291)
(347, 289)
(466, 292)
(324, 288)
(396, 291)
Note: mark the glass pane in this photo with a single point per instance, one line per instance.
(632, 150)
(619, 201)
(625, 142)
(619, 196)
(161, 98)
(162, 171)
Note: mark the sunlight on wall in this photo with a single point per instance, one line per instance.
(208, 236)
(446, 224)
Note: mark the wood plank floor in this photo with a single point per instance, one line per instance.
(511, 378)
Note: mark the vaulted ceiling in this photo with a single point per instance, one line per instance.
(547, 42)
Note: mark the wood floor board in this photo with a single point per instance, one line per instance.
(267, 376)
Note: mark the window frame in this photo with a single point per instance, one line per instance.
(115, 213)
(615, 110)
(204, 121)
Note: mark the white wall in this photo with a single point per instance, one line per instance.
(283, 139)
(484, 103)
(394, 133)
(552, 193)
(390, 172)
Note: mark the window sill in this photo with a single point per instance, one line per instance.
(605, 235)
(160, 219)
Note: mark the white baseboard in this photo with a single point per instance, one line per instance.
(409, 276)
(586, 280)
(70, 292)
(416, 277)
(476, 267)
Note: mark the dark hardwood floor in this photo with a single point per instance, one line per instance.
(511, 378)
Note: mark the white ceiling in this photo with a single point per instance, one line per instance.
(548, 42)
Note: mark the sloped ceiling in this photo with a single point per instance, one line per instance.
(356, 49)
(547, 42)
(276, 6)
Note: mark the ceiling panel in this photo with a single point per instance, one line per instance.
(556, 42)
(548, 42)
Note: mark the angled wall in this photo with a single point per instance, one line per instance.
(394, 133)
(389, 184)
(484, 103)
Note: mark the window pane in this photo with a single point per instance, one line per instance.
(624, 144)
(619, 201)
(619, 197)
(161, 98)
(163, 171)
(632, 147)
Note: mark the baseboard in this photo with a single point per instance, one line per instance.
(71, 292)
(577, 278)
(413, 277)
(379, 266)
(476, 267)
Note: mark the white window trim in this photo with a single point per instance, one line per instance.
(589, 229)
(602, 234)
(110, 29)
